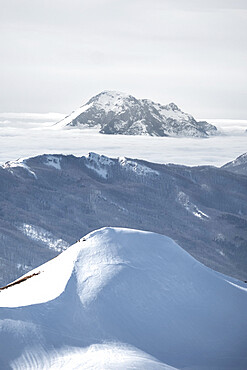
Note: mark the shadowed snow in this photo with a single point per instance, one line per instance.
(118, 295)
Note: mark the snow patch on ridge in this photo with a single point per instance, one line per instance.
(73, 115)
(137, 168)
(41, 235)
(21, 162)
(192, 208)
(99, 164)
(173, 112)
(53, 161)
(239, 160)
(112, 101)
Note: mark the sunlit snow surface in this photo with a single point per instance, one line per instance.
(25, 135)
(123, 299)
(21, 162)
(99, 357)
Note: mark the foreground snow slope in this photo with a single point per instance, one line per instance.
(123, 299)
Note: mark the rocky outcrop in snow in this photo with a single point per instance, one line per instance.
(117, 113)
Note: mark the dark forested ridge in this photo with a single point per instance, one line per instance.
(50, 201)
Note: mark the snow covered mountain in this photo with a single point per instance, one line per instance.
(113, 112)
(239, 165)
(47, 202)
(123, 299)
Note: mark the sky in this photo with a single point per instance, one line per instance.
(57, 54)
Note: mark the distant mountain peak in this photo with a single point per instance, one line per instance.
(114, 112)
(114, 93)
(172, 106)
(109, 95)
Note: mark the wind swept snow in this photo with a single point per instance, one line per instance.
(43, 284)
(99, 164)
(122, 299)
(109, 356)
(45, 237)
(73, 115)
(21, 162)
(138, 168)
(190, 207)
(53, 161)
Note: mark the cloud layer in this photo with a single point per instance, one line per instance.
(28, 135)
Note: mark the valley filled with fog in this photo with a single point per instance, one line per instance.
(30, 134)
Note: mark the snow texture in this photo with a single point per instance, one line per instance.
(238, 165)
(21, 162)
(190, 207)
(109, 356)
(53, 161)
(122, 298)
(99, 164)
(45, 237)
(137, 168)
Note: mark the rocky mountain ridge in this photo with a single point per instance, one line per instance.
(114, 113)
(238, 165)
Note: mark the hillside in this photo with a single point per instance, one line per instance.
(47, 202)
(123, 298)
(238, 165)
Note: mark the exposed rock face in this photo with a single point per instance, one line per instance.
(117, 113)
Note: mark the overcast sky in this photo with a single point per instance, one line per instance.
(56, 54)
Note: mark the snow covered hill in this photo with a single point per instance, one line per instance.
(123, 299)
(47, 202)
(113, 112)
(239, 165)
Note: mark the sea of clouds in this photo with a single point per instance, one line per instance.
(30, 134)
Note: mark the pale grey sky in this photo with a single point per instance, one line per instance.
(56, 54)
